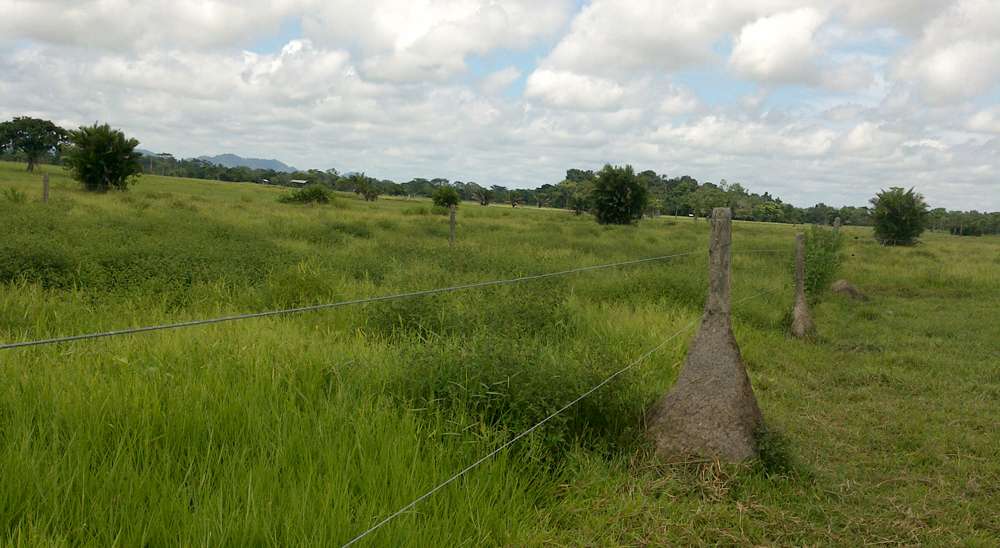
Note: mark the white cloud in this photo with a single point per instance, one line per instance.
(958, 54)
(122, 25)
(679, 100)
(385, 87)
(986, 120)
(574, 91)
(408, 40)
(497, 81)
(779, 47)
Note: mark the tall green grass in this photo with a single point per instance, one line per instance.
(307, 429)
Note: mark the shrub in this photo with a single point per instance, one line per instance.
(900, 216)
(15, 195)
(618, 197)
(102, 158)
(308, 195)
(445, 196)
(823, 258)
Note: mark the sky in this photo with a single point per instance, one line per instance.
(811, 100)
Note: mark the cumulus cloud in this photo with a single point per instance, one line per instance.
(812, 101)
(497, 81)
(986, 120)
(575, 91)
(779, 47)
(404, 40)
(122, 25)
(958, 54)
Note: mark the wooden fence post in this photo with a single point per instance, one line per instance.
(802, 324)
(711, 412)
(451, 219)
(45, 187)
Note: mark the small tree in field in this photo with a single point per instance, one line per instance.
(618, 196)
(102, 158)
(445, 196)
(900, 216)
(365, 187)
(32, 137)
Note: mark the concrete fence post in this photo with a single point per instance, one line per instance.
(451, 221)
(711, 412)
(802, 324)
(45, 187)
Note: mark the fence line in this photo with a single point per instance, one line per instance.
(537, 425)
(310, 308)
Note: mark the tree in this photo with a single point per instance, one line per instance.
(485, 196)
(102, 158)
(900, 216)
(365, 187)
(618, 196)
(445, 196)
(32, 137)
(706, 198)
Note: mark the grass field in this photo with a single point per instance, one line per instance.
(307, 429)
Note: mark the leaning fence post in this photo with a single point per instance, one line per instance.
(711, 411)
(802, 324)
(45, 187)
(451, 220)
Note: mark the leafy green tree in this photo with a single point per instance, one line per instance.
(618, 196)
(706, 198)
(365, 187)
(445, 196)
(900, 216)
(102, 158)
(32, 137)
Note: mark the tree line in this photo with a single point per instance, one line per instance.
(35, 141)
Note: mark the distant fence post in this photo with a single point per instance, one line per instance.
(711, 412)
(451, 219)
(45, 187)
(836, 224)
(802, 324)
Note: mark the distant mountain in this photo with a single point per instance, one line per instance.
(232, 160)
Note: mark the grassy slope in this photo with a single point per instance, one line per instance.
(308, 428)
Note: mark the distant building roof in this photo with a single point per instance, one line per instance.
(298, 181)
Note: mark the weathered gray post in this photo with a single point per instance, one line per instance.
(451, 219)
(711, 411)
(836, 224)
(802, 324)
(45, 187)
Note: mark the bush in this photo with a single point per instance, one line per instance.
(618, 197)
(823, 258)
(102, 158)
(307, 195)
(445, 196)
(15, 195)
(900, 216)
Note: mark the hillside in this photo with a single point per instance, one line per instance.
(309, 428)
(232, 160)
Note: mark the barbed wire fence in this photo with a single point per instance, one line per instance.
(350, 302)
(423, 293)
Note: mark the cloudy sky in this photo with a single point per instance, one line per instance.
(825, 100)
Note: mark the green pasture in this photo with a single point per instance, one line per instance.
(309, 428)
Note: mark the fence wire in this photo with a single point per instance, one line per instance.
(324, 306)
(539, 424)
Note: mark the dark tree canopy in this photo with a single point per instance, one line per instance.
(32, 137)
(618, 195)
(102, 158)
(445, 196)
(900, 216)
